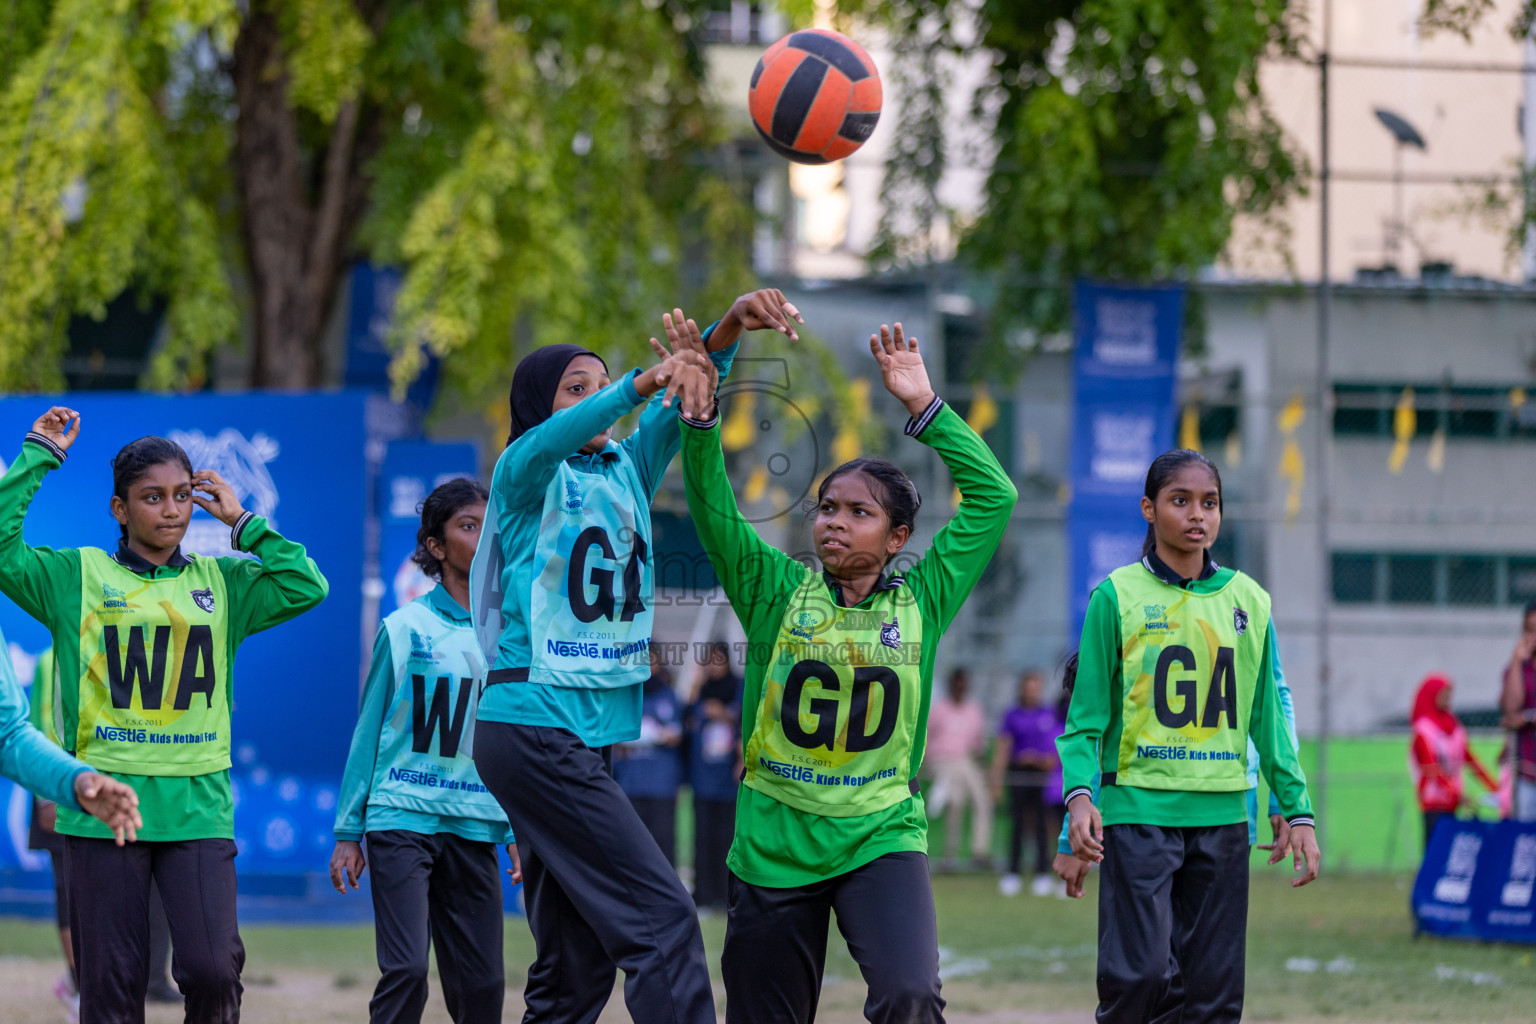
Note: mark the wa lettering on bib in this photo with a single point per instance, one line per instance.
(424, 760)
(837, 719)
(154, 656)
(1191, 665)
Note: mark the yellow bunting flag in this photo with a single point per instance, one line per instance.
(982, 416)
(757, 485)
(1436, 456)
(1189, 428)
(1517, 397)
(740, 425)
(1293, 467)
(845, 446)
(1405, 423)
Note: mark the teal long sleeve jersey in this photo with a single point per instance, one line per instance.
(27, 756)
(582, 553)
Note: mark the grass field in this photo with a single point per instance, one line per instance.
(1339, 951)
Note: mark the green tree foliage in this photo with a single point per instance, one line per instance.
(542, 171)
(1125, 136)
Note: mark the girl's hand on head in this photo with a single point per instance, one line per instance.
(221, 502)
(1306, 856)
(1085, 830)
(901, 368)
(764, 309)
(1072, 871)
(115, 803)
(60, 424)
(347, 864)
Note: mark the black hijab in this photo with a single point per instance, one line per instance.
(535, 381)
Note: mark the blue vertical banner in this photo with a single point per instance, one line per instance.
(1478, 881)
(410, 471)
(1127, 352)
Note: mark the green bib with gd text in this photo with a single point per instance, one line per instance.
(836, 725)
(154, 657)
(1190, 664)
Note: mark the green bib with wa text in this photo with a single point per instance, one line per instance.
(154, 657)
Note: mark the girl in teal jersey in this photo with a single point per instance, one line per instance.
(839, 674)
(1176, 671)
(562, 597)
(144, 639)
(410, 786)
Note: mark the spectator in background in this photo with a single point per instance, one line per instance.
(714, 764)
(1025, 760)
(1440, 753)
(650, 769)
(957, 734)
(1519, 707)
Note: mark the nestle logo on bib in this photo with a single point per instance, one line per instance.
(111, 597)
(572, 496)
(421, 645)
(204, 599)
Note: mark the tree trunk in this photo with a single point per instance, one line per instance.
(293, 247)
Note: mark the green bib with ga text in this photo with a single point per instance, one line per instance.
(835, 728)
(154, 657)
(1191, 663)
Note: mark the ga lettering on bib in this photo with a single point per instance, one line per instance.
(836, 723)
(154, 657)
(1190, 665)
(589, 606)
(425, 758)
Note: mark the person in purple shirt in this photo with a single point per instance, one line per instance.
(1025, 759)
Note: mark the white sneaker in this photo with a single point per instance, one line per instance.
(1042, 885)
(1010, 884)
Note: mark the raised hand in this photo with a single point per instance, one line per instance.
(221, 502)
(347, 864)
(901, 368)
(689, 372)
(113, 802)
(60, 424)
(764, 309)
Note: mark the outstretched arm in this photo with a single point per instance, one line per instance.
(961, 550)
(39, 580)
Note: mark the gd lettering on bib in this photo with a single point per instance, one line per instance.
(1190, 664)
(590, 609)
(835, 726)
(154, 657)
(425, 758)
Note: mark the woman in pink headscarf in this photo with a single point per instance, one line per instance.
(1440, 753)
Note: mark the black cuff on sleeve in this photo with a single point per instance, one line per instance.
(1301, 819)
(918, 424)
(706, 424)
(234, 531)
(46, 442)
(1079, 791)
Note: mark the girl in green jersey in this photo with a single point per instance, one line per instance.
(144, 639)
(839, 674)
(1176, 671)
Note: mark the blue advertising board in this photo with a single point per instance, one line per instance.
(1127, 350)
(297, 459)
(1477, 881)
(410, 471)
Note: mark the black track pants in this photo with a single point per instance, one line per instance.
(1173, 924)
(598, 890)
(443, 890)
(109, 927)
(776, 944)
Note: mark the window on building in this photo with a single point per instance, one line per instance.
(1370, 410)
(1462, 580)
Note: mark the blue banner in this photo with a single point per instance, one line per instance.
(410, 471)
(297, 459)
(1477, 881)
(1127, 351)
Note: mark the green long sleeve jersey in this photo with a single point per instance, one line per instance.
(1095, 723)
(777, 845)
(46, 584)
